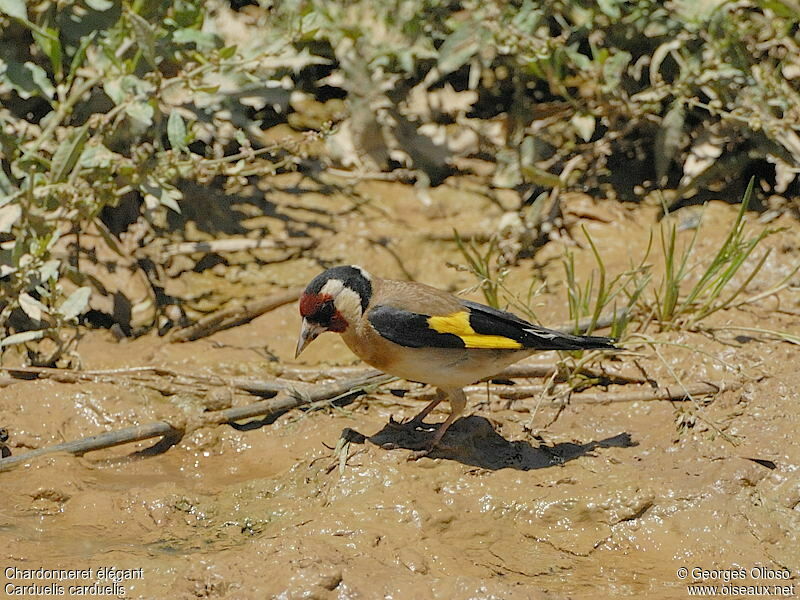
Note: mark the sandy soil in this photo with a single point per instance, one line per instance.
(525, 500)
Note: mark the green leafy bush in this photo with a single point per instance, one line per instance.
(106, 104)
(107, 108)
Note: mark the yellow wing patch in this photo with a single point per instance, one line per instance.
(457, 323)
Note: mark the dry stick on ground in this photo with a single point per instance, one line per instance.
(140, 375)
(645, 394)
(524, 370)
(238, 244)
(285, 401)
(231, 317)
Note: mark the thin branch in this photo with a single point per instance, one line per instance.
(285, 401)
(673, 393)
(231, 317)
(237, 244)
(147, 375)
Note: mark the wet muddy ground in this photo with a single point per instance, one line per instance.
(528, 499)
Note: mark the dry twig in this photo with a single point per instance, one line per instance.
(231, 317)
(518, 393)
(237, 244)
(149, 376)
(285, 401)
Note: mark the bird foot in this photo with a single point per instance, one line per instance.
(411, 424)
(415, 455)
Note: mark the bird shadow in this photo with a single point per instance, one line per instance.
(473, 441)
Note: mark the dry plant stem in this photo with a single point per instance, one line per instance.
(480, 237)
(523, 370)
(237, 244)
(149, 376)
(538, 369)
(396, 175)
(231, 317)
(673, 392)
(285, 401)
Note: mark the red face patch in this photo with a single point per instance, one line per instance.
(319, 308)
(311, 303)
(338, 323)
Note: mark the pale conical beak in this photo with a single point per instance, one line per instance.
(308, 333)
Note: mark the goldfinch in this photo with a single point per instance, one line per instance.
(417, 332)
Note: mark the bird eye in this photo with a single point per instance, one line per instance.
(324, 314)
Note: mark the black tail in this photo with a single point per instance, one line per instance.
(550, 339)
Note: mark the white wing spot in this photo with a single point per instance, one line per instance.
(542, 334)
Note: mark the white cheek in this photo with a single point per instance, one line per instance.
(348, 303)
(332, 288)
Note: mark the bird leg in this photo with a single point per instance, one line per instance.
(418, 420)
(458, 402)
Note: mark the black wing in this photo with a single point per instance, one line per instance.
(487, 320)
(477, 326)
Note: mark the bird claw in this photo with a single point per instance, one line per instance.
(415, 455)
(410, 425)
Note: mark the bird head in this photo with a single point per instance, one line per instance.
(332, 301)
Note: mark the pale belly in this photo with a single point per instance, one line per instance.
(442, 367)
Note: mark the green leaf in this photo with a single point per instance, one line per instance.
(99, 5)
(21, 338)
(14, 8)
(41, 79)
(97, 156)
(145, 36)
(528, 17)
(207, 89)
(227, 52)
(149, 188)
(51, 46)
(127, 88)
(79, 57)
(7, 189)
(584, 125)
(169, 198)
(458, 49)
(176, 131)
(31, 306)
(28, 80)
(67, 154)
(614, 67)
(507, 173)
(109, 237)
(9, 215)
(141, 112)
(668, 138)
(540, 177)
(188, 13)
(204, 40)
(49, 270)
(17, 10)
(610, 8)
(76, 303)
